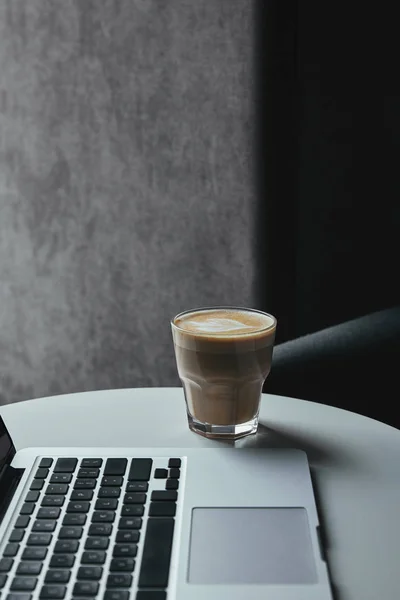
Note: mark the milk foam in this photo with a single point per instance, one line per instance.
(223, 322)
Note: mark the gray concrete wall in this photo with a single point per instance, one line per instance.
(126, 191)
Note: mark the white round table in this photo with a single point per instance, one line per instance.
(355, 464)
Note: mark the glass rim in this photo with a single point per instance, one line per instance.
(238, 308)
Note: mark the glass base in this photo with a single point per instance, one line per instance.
(225, 432)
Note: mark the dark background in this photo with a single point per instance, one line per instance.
(328, 125)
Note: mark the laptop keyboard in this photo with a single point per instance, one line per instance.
(93, 528)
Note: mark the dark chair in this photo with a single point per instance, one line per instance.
(352, 366)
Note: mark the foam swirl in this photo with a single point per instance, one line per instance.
(223, 322)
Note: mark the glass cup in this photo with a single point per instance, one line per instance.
(223, 355)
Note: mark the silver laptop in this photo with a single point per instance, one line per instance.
(158, 524)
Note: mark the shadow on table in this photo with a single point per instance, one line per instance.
(321, 452)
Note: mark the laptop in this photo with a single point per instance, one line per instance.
(158, 524)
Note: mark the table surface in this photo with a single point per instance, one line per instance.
(355, 464)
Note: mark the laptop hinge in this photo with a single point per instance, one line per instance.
(9, 476)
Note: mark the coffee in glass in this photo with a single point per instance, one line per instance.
(223, 355)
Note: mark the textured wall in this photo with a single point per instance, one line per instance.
(126, 191)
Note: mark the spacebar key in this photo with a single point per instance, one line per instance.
(156, 553)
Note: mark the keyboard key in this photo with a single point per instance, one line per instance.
(70, 533)
(94, 557)
(62, 561)
(39, 539)
(128, 536)
(140, 469)
(174, 473)
(66, 546)
(156, 553)
(119, 580)
(122, 564)
(130, 523)
(132, 510)
(135, 498)
(3, 573)
(164, 495)
(109, 492)
(11, 550)
(124, 550)
(88, 473)
(45, 463)
(74, 519)
(137, 486)
(91, 463)
(100, 516)
(100, 529)
(6, 564)
(160, 473)
(151, 595)
(57, 576)
(53, 592)
(48, 513)
(19, 596)
(115, 466)
(86, 588)
(61, 478)
(106, 504)
(44, 526)
(22, 522)
(27, 508)
(92, 573)
(57, 488)
(53, 501)
(115, 480)
(23, 584)
(32, 497)
(162, 509)
(82, 495)
(172, 484)
(41, 473)
(97, 543)
(29, 568)
(174, 463)
(38, 553)
(17, 535)
(78, 507)
(36, 484)
(65, 465)
(85, 484)
(116, 595)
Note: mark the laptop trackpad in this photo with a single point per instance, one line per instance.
(251, 545)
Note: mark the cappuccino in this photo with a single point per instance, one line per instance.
(223, 357)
